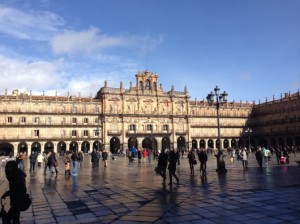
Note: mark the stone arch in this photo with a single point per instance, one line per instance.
(194, 144)
(114, 145)
(233, 143)
(165, 143)
(85, 147)
(23, 147)
(97, 145)
(225, 144)
(61, 148)
(73, 146)
(202, 144)
(149, 143)
(6, 149)
(180, 142)
(36, 147)
(49, 147)
(132, 141)
(210, 143)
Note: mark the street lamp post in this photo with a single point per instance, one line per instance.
(97, 132)
(249, 131)
(220, 98)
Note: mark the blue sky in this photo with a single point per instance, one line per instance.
(250, 48)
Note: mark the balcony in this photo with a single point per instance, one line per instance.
(114, 133)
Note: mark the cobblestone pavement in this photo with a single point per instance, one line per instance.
(131, 193)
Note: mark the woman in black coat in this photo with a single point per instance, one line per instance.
(172, 166)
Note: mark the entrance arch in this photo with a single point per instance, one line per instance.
(210, 143)
(49, 147)
(36, 147)
(202, 144)
(61, 148)
(218, 144)
(226, 144)
(165, 143)
(73, 146)
(23, 147)
(85, 147)
(132, 141)
(181, 142)
(97, 145)
(114, 145)
(194, 144)
(149, 143)
(233, 143)
(6, 149)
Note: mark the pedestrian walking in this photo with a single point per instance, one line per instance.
(40, 159)
(259, 156)
(32, 160)
(139, 153)
(52, 163)
(202, 156)
(94, 158)
(74, 158)
(104, 157)
(244, 155)
(172, 166)
(67, 161)
(80, 158)
(192, 161)
(162, 165)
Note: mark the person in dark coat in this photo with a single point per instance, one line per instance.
(17, 190)
(192, 158)
(162, 165)
(32, 160)
(104, 157)
(172, 166)
(94, 158)
(259, 157)
(202, 156)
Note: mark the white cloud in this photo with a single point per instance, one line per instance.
(29, 25)
(90, 41)
(27, 75)
(86, 41)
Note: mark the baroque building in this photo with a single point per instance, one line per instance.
(144, 116)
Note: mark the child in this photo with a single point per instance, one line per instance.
(67, 161)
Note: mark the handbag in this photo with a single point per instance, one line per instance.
(194, 161)
(24, 204)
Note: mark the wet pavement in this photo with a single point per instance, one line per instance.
(131, 193)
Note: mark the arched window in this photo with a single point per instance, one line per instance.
(141, 85)
(147, 87)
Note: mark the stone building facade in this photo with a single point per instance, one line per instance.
(144, 116)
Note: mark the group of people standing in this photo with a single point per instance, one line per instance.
(96, 155)
(168, 159)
